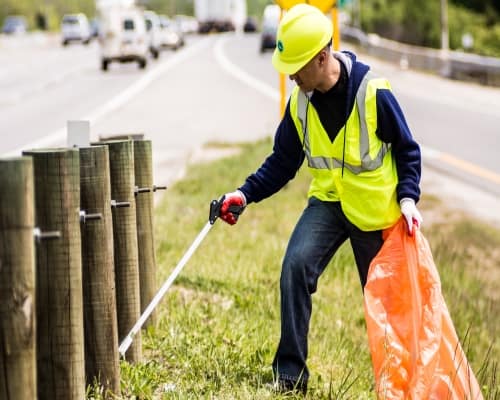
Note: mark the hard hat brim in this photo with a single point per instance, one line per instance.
(286, 68)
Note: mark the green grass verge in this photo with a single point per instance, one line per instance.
(218, 325)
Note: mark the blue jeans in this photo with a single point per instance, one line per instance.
(320, 231)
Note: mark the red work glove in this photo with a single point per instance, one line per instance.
(232, 205)
(411, 214)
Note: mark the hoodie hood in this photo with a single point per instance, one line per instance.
(356, 72)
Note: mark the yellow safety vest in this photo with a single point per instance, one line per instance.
(361, 172)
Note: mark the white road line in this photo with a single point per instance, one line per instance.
(241, 75)
(59, 136)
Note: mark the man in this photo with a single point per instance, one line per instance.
(364, 163)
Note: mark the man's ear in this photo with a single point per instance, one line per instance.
(322, 57)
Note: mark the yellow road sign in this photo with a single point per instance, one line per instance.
(323, 5)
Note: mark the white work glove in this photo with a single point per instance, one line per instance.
(411, 213)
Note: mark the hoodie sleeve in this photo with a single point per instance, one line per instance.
(280, 166)
(392, 128)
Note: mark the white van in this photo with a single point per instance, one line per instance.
(270, 21)
(75, 28)
(123, 37)
(172, 36)
(153, 28)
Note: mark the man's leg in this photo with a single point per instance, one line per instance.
(317, 236)
(365, 246)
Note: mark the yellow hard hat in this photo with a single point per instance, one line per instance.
(302, 33)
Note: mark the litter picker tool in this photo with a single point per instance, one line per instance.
(214, 214)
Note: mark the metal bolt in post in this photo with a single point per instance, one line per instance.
(155, 188)
(148, 190)
(119, 204)
(39, 235)
(84, 217)
(138, 190)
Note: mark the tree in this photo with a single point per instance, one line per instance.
(421, 21)
(53, 10)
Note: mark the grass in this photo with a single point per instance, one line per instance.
(218, 325)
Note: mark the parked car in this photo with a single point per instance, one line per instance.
(94, 27)
(268, 37)
(14, 24)
(75, 28)
(271, 13)
(250, 25)
(153, 29)
(123, 37)
(270, 22)
(172, 36)
(187, 24)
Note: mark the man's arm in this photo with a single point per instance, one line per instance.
(280, 166)
(392, 128)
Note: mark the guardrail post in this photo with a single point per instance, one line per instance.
(99, 294)
(128, 303)
(59, 300)
(143, 166)
(17, 280)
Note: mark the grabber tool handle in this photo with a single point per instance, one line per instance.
(127, 341)
(214, 211)
(215, 206)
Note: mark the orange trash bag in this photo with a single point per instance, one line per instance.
(416, 353)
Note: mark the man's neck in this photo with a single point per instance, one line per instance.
(332, 74)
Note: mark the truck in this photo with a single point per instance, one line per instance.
(220, 15)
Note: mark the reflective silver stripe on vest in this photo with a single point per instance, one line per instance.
(367, 164)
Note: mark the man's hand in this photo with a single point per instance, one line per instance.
(411, 213)
(232, 206)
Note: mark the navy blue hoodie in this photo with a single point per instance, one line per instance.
(288, 153)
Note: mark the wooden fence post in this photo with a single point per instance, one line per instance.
(59, 300)
(143, 166)
(124, 136)
(99, 294)
(17, 281)
(128, 303)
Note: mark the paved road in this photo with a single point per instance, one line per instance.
(219, 88)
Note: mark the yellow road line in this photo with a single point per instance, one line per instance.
(470, 168)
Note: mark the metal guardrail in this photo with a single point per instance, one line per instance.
(452, 64)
